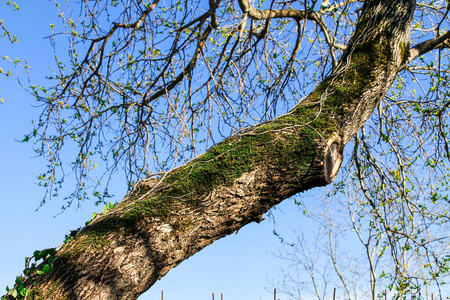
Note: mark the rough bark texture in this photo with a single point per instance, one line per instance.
(166, 220)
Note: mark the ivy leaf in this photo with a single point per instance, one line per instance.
(51, 259)
(14, 293)
(47, 268)
(51, 251)
(36, 254)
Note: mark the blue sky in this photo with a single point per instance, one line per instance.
(241, 266)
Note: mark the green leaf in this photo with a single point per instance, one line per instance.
(47, 268)
(51, 251)
(29, 271)
(14, 293)
(20, 285)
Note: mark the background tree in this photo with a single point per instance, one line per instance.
(146, 77)
(345, 246)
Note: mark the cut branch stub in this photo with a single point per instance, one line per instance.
(333, 160)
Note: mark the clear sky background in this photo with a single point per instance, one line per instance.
(241, 266)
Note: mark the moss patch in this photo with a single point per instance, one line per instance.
(95, 240)
(182, 225)
(282, 143)
(405, 49)
(151, 208)
(38, 294)
(343, 90)
(95, 237)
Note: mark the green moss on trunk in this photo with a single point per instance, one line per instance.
(283, 142)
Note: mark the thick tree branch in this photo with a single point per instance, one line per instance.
(296, 14)
(426, 47)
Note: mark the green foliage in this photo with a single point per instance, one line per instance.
(105, 210)
(42, 264)
(69, 237)
(12, 4)
(5, 33)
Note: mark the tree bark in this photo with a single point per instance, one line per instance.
(165, 220)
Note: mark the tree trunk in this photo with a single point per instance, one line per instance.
(165, 220)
